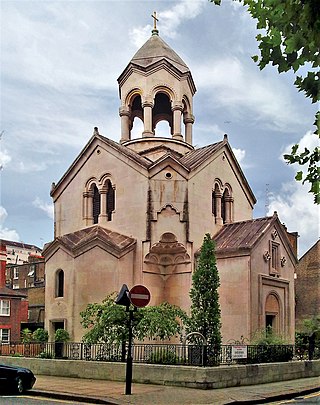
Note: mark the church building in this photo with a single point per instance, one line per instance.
(136, 212)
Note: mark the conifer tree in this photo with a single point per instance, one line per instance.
(205, 307)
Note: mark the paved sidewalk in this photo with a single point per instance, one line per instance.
(111, 392)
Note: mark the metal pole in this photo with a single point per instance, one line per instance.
(129, 355)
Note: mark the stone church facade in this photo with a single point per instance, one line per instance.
(136, 212)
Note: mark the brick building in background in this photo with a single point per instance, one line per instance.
(307, 285)
(13, 306)
(28, 278)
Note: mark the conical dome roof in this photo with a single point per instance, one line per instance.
(154, 50)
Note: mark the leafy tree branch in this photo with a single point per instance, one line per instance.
(290, 40)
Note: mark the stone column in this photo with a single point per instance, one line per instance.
(177, 114)
(219, 220)
(228, 209)
(103, 205)
(188, 122)
(89, 207)
(125, 115)
(147, 118)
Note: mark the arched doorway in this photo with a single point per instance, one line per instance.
(272, 314)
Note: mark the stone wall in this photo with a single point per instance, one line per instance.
(193, 377)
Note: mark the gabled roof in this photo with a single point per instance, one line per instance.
(244, 235)
(129, 153)
(78, 242)
(195, 157)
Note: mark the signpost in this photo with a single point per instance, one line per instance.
(139, 296)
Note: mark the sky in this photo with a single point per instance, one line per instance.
(60, 61)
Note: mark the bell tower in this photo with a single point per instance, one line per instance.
(157, 85)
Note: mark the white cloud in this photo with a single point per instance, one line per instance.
(296, 209)
(45, 207)
(239, 87)
(295, 204)
(169, 21)
(239, 154)
(5, 158)
(5, 233)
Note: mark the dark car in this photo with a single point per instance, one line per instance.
(18, 379)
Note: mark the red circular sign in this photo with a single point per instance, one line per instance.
(139, 296)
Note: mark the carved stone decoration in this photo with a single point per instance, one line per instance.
(274, 234)
(167, 257)
(266, 256)
(283, 261)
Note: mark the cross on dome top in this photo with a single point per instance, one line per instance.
(155, 19)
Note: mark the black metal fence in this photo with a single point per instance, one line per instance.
(175, 354)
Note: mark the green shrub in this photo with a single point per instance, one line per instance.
(163, 356)
(26, 335)
(61, 335)
(40, 335)
(46, 355)
(270, 353)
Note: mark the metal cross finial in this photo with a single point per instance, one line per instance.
(155, 19)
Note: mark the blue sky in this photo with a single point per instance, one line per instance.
(60, 64)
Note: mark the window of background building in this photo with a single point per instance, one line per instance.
(15, 273)
(4, 307)
(4, 335)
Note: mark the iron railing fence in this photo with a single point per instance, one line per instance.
(176, 354)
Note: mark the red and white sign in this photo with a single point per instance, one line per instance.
(139, 296)
(239, 352)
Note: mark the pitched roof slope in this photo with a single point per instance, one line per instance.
(78, 240)
(8, 292)
(144, 161)
(242, 235)
(194, 158)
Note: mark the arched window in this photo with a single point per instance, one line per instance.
(60, 283)
(110, 200)
(96, 204)
(214, 204)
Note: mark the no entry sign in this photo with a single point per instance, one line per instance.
(139, 296)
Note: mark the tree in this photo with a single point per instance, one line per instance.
(108, 322)
(205, 307)
(289, 41)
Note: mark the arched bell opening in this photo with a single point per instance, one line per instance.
(136, 128)
(163, 129)
(136, 117)
(162, 111)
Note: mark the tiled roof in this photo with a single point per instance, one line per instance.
(242, 235)
(127, 151)
(194, 158)
(8, 292)
(19, 244)
(79, 239)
